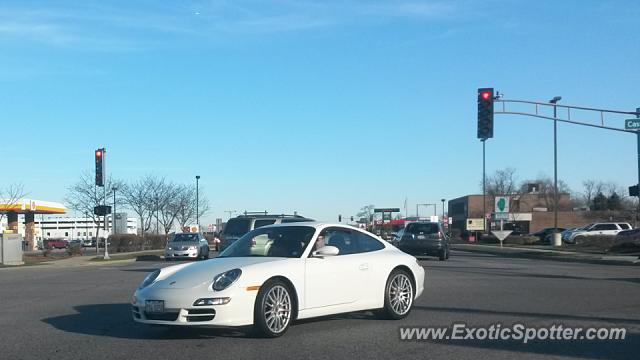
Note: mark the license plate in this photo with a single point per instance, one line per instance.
(421, 237)
(154, 306)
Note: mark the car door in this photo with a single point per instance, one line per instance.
(339, 279)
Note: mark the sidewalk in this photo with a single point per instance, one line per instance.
(549, 253)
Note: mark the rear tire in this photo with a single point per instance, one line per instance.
(273, 310)
(398, 296)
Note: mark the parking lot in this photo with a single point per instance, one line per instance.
(83, 312)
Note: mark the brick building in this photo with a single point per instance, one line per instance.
(531, 212)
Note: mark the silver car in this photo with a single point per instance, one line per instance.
(187, 246)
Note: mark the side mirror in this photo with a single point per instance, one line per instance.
(326, 251)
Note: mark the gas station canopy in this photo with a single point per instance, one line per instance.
(25, 206)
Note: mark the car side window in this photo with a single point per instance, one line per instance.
(366, 243)
(263, 222)
(340, 238)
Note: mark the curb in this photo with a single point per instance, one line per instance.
(554, 255)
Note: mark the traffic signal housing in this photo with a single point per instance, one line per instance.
(633, 191)
(485, 113)
(100, 167)
(339, 218)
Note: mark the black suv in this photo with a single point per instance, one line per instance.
(240, 225)
(424, 238)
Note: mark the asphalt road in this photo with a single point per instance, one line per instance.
(84, 313)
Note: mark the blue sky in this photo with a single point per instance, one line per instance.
(319, 107)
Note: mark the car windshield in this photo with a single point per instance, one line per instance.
(237, 227)
(185, 238)
(279, 241)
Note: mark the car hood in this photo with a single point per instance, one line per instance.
(202, 273)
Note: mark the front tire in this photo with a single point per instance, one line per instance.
(398, 295)
(273, 310)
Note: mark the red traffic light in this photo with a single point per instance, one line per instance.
(98, 153)
(485, 95)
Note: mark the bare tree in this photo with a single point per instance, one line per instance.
(366, 212)
(591, 189)
(84, 195)
(502, 182)
(9, 197)
(186, 205)
(546, 191)
(167, 196)
(138, 196)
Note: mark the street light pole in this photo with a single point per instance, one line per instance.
(443, 200)
(556, 235)
(113, 225)
(198, 202)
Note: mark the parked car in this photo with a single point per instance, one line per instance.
(631, 232)
(187, 246)
(610, 228)
(334, 268)
(545, 234)
(74, 243)
(425, 238)
(56, 244)
(89, 243)
(242, 224)
(565, 235)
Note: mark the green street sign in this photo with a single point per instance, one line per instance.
(632, 124)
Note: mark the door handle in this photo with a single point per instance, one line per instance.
(363, 266)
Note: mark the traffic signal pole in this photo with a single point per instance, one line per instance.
(638, 185)
(104, 200)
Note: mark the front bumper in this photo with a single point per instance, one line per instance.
(180, 311)
(181, 254)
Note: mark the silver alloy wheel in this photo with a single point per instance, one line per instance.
(400, 294)
(277, 309)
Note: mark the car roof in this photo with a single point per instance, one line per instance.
(315, 224)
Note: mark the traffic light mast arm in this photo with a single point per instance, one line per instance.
(568, 119)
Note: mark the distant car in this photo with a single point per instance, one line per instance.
(242, 224)
(609, 228)
(56, 244)
(631, 232)
(544, 234)
(187, 246)
(310, 270)
(565, 235)
(74, 243)
(424, 238)
(88, 243)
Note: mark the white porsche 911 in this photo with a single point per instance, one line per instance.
(276, 274)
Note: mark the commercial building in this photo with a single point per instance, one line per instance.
(528, 212)
(77, 228)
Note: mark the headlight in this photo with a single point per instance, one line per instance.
(169, 248)
(149, 279)
(224, 280)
